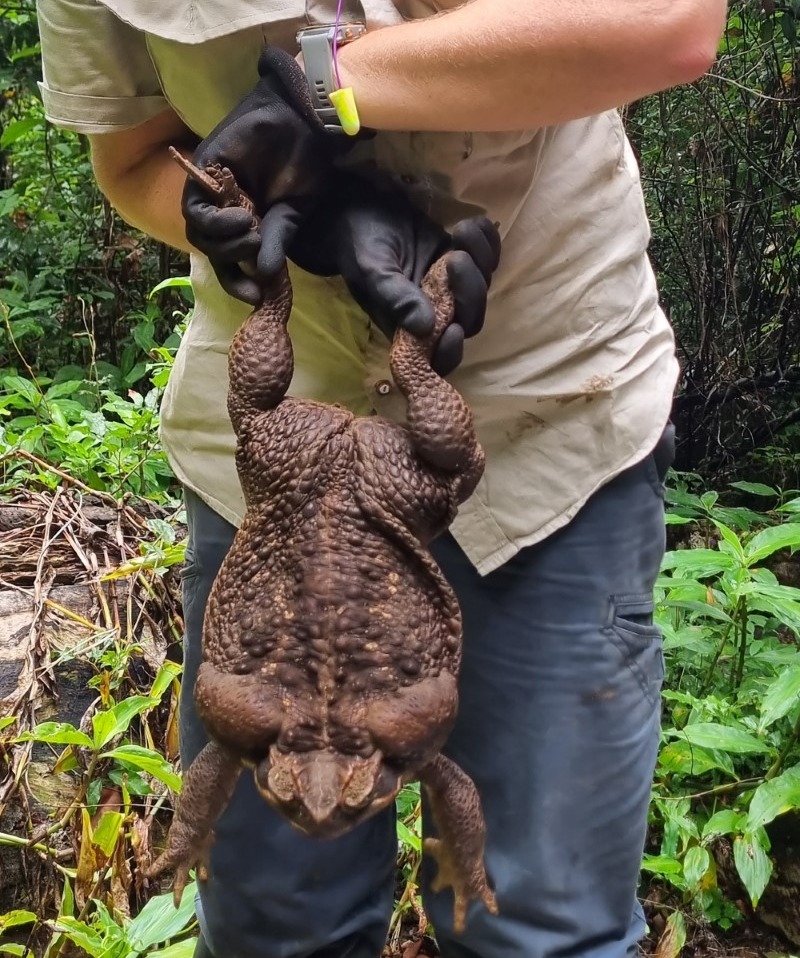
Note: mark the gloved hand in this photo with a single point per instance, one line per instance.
(277, 149)
(382, 246)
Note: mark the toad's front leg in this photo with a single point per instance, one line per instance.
(207, 789)
(458, 851)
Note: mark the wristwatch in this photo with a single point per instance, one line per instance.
(316, 45)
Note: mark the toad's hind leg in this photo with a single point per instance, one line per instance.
(439, 419)
(457, 811)
(207, 788)
(260, 360)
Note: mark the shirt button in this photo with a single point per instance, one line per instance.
(383, 387)
(409, 179)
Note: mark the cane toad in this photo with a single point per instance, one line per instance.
(332, 641)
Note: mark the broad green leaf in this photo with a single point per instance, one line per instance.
(781, 697)
(12, 919)
(753, 865)
(7, 720)
(793, 505)
(671, 943)
(148, 761)
(755, 488)
(770, 540)
(59, 390)
(699, 562)
(24, 387)
(662, 865)
(168, 672)
(106, 833)
(730, 539)
(695, 864)
(83, 935)
(673, 519)
(117, 719)
(17, 128)
(723, 737)
(682, 758)
(181, 949)
(160, 920)
(773, 798)
(56, 733)
(725, 822)
(170, 283)
(11, 949)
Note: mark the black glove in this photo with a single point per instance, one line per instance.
(277, 149)
(382, 246)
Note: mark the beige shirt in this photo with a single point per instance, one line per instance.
(570, 380)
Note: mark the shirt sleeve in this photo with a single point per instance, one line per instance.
(97, 75)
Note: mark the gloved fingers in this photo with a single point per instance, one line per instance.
(214, 221)
(238, 284)
(449, 350)
(279, 227)
(391, 299)
(238, 249)
(480, 238)
(469, 289)
(276, 65)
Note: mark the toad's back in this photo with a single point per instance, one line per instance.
(326, 589)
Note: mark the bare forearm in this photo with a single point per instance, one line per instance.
(495, 65)
(142, 182)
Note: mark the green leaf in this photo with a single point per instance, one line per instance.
(755, 488)
(662, 865)
(160, 920)
(81, 934)
(168, 672)
(731, 540)
(781, 697)
(18, 128)
(24, 387)
(7, 720)
(148, 761)
(753, 865)
(773, 798)
(683, 758)
(696, 863)
(170, 283)
(407, 837)
(181, 949)
(61, 389)
(106, 834)
(699, 562)
(11, 949)
(117, 719)
(723, 737)
(12, 919)
(56, 733)
(770, 540)
(674, 938)
(725, 822)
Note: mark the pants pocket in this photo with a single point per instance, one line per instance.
(631, 628)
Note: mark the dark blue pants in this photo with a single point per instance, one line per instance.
(558, 727)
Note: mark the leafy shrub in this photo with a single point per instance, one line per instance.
(730, 757)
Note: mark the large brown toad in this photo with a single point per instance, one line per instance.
(331, 641)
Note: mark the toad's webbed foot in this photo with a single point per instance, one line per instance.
(208, 786)
(458, 815)
(185, 850)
